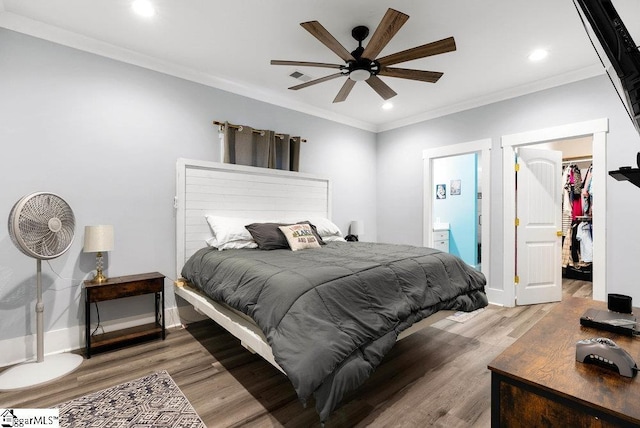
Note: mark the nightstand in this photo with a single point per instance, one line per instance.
(117, 288)
(441, 240)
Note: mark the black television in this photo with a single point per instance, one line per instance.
(620, 48)
(624, 56)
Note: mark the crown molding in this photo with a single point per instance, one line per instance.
(517, 91)
(20, 24)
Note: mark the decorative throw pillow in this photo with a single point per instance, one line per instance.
(300, 236)
(314, 229)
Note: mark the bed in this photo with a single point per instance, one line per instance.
(323, 315)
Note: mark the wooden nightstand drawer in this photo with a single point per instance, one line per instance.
(118, 290)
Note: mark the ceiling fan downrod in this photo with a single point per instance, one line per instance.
(361, 68)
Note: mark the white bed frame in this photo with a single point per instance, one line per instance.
(239, 191)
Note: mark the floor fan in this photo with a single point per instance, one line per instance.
(41, 225)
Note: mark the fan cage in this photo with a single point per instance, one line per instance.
(41, 225)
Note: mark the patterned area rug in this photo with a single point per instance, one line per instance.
(151, 401)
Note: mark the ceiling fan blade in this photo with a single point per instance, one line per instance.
(380, 87)
(316, 81)
(434, 48)
(344, 91)
(405, 73)
(391, 22)
(305, 64)
(319, 32)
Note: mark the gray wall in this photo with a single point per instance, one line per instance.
(105, 136)
(400, 169)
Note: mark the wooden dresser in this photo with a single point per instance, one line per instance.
(538, 382)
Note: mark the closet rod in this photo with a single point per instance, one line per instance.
(566, 161)
(257, 131)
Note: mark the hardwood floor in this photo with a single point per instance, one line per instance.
(436, 377)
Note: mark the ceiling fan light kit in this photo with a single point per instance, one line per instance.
(358, 75)
(362, 63)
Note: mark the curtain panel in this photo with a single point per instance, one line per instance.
(244, 145)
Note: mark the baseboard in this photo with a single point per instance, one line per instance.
(21, 349)
(495, 296)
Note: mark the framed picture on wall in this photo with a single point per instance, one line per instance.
(456, 187)
(441, 191)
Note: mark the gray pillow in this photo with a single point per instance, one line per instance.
(267, 235)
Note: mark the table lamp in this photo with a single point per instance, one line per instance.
(96, 240)
(356, 228)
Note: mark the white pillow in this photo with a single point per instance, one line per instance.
(333, 238)
(230, 233)
(231, 245)
(325, 227)
(300, 236)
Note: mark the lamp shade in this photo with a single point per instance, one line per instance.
(98, 238)
(356, 228)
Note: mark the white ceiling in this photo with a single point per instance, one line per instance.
(229, 45)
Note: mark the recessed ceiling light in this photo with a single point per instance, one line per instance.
(538, 54)
(387, 106)
(143, 8)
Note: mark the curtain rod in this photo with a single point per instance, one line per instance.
(257, 131)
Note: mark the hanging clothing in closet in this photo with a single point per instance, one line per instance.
(577, 250)
(572, 181)
(587, 193)
(584, 235)
(572, 196)
(577, 204)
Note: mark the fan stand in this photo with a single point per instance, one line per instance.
(40, 371)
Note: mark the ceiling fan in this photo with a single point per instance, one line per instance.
(362, 64)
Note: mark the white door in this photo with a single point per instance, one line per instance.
(539, 230)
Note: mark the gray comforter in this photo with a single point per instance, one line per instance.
(331, 314)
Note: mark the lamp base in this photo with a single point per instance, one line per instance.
(99, 278)
(33, 373)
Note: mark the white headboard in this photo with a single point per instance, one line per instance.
(240, 191)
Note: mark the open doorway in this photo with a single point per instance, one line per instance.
(577, 206)
(455, 206)
(431, 230)
(595, 130)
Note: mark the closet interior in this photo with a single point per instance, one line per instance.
(577, 208)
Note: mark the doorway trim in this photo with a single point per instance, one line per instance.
(479, 146)
(598, 129)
